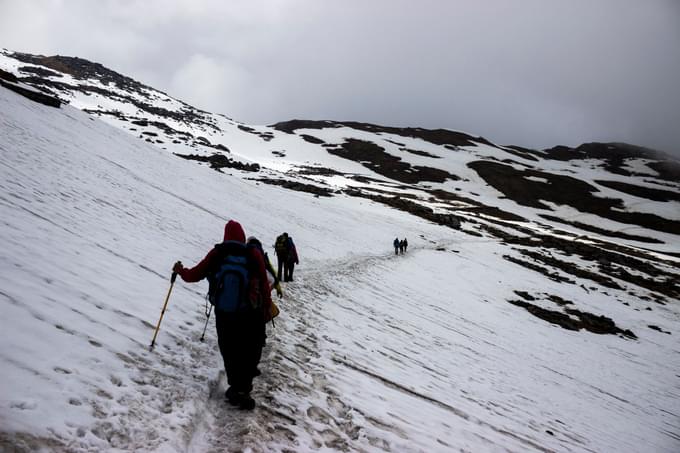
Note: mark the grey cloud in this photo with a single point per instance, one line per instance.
(530, 72)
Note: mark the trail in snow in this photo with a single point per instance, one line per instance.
(296, 396)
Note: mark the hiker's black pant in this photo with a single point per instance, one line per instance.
(240, 336)
(281, 258)
(288, 271)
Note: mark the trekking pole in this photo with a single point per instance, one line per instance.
(207, 313)
(158, 326)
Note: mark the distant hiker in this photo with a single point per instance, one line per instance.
(291, 260)
(401, 247)
(240, 292)
(396, 246)
(274, 281)
(405, 242)
(281, 249)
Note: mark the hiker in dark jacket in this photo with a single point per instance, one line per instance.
(291, 260)
(281, 249)
(253, 241)
(396, 246)
(405, 242)
(240, 334)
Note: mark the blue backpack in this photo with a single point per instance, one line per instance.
(229, 282)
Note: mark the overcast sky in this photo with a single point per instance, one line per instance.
(529, 72)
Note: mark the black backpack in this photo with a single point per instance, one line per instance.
(281, 245)
(230, 276)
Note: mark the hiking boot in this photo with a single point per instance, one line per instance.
(247, 403)
(232, 396)
(241, 399)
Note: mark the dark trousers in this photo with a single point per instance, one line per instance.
(281, 260)
(288, 268)
(241, 336)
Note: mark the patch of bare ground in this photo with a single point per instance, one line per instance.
(658, 329)
(492, 211)
(611, 260)
(39, 71)
(578, 319)
(34, 96)
(375, 158)
(8, 76)
(220, 161)
(435, 136)
(602, 231)
(317, 171)
(409, 206)
(571, 268)
(554, 276)
(311, 139)
(614, 156)
(641, 191)
(417, 152)
(668, 170)
(524, 153)
(298, 186)
(563, 190)
(84, 70)
(266, 136)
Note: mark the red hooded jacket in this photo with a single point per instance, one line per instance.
(232, 232)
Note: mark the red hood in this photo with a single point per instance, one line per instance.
(234, 232)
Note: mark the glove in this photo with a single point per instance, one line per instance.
(277, 286)
(178, 267)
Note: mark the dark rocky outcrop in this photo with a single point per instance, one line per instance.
(581, 320)
(375, 158)
(435, 136)
(81, 69)
(312, 139)
(298, 186)
(41, 72)
(219, 161)
(411, 207)
(419, 153)
(641, 191)
(35, 96)
(563, 190)
(667, 169)
(602, 231)
(614, 155)
(8, 76)
(266, 136)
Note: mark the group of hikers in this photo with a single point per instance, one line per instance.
(240, 280)
(286, 255)
(400, 246)
(240, 291)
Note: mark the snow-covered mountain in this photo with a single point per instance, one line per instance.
(536, 309)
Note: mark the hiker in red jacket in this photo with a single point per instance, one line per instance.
(240, 333)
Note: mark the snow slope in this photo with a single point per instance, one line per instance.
(372, 352)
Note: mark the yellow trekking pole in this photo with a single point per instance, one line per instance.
(158, 326)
